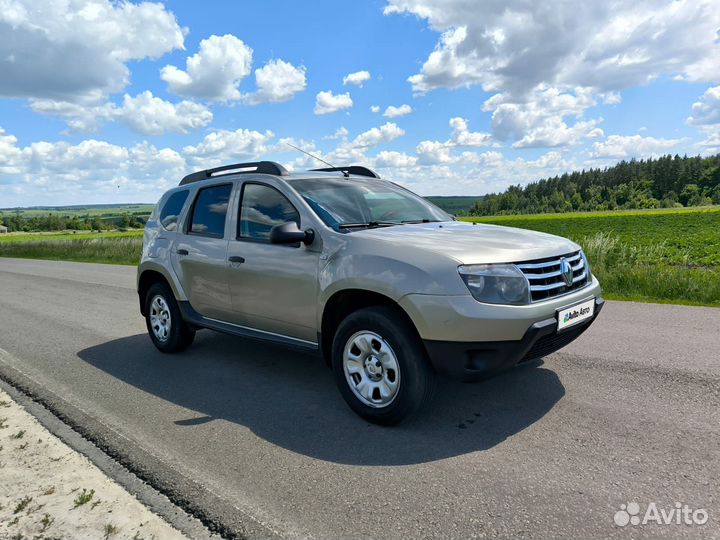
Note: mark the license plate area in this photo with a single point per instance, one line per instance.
(575, 314)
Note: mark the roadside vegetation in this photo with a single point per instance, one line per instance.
(656, 255)
(111, 248)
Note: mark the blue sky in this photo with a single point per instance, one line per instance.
(113, 102)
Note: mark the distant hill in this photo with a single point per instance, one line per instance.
(668, 181)
(102, 210)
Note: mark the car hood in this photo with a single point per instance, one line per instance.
(469, 243)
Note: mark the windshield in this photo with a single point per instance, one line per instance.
(347, 203)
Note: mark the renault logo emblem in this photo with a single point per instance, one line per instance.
(566, 271)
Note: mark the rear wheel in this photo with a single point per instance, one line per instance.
(167, 330)
(380, 366)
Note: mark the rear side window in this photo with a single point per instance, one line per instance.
(171, 209)
(209, 211)
(262, 207)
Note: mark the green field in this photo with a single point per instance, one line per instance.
(654, 255)
(105, 247)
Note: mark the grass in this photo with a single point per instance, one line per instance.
(110, 248)
(20, 237)
(84, 497)
(668, 256)
(46, 521)
(22, 504)
(110, 530)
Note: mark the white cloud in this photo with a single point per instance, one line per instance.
(222, 146)
(554, 132)
(626, 146)
(144, 113)
(151, 115)
(374, 136)
(83, 116)
(214, 72)
(462, 136)
(90, 171)
(547, 62)
(9, 154)
(326, 102)
(514, 46)
(278, 81)
(436, 152)
(538, 119)
(357, 78)
(394, 159)
(394, 112)
(340, 133)
(375, 108)
(71, 50)
(709, 145)
(433, 153)
(473, 173)
(707, 109)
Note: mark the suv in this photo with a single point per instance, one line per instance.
(385, 286)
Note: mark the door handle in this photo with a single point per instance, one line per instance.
(236, 259)
(183, 252)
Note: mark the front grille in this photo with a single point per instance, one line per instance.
(546, 279)
(554, 342)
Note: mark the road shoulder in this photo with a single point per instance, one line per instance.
(52, 489)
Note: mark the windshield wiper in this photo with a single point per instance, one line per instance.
(368, 224)
(424, 220)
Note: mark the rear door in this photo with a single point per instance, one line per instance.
(273, 287)
(199, 253)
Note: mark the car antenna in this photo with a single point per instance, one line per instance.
(345, 173)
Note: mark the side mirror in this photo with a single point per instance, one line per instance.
(290, 233)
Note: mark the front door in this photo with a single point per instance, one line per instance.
(199, 253)
(273, 287)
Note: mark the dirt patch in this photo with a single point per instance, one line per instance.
(47, 490)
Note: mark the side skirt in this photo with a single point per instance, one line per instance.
(193, 317)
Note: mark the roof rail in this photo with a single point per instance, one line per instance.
(351, 169)
(265, 167)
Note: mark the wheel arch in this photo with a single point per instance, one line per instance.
(344, 302)
(147, 279)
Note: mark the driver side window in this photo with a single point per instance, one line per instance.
(261, 208)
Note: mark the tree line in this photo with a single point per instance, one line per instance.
(58, 222)
(664, 182)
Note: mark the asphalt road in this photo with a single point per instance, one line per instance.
(258, 437)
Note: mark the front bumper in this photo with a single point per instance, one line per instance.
(474, 360)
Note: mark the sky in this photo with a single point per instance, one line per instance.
(113, 102)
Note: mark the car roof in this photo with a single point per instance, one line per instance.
(275, 169)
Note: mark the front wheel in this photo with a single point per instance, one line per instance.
(167, 330)
(380, 366)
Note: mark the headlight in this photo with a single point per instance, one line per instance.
(496, 283)
(587, 265)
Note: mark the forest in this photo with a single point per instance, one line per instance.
(664, 182)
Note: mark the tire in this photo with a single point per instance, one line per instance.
(160, 305)
(380, 366)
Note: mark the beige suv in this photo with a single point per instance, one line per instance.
(385, 286)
